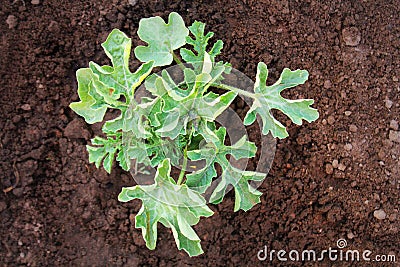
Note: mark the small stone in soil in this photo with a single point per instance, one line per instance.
(394, 136)
(382, 154)
(327, 84)
(331, 120)
(12, 21)
(348, 147)
(53, 26)
(329, 168)
(353, 128)
(26, 107)
(388, 103)
(132, 2)
(351, 36)
(335, 163)
(380, 214)
(341, 167)
(35, 2)
(272, 19)
(347, 113)
(350, 235)
(394, 125)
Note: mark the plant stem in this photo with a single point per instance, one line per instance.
(235, 89)
(185, 157)
(177, 60)
(184, 165)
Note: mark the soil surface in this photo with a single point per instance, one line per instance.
(336, 178)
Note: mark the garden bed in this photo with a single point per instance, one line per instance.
(337, 178)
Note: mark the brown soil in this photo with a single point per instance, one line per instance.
(327, 178)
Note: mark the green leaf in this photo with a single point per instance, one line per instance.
(175, 206)
(180, 109)
(101, 87)
(123, 161)
(136, 148)
(243, 149)
(212, 105)
(160, 89)
(171, 149)
(190, 78)
(114, 125)
(91, 106)
(200, 180)
(125, 146)
(135, 120)
(162, 38)
(200, 43)
(173, 123)
(151, 109)
(246, 196)
(104, 151)
(215, 152)
(268, 97)
(118, 78)
(183, 106)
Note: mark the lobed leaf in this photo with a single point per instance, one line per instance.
(118, 78)
(136, 148)
(212, 105)
(215, 152)
(246, 196)
(175, 206)
(101, 87)
(162, 38)
(91, 106)
(268, 98)
(104, 151)
(200, 43)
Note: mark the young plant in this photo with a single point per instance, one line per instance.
(177, 123)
